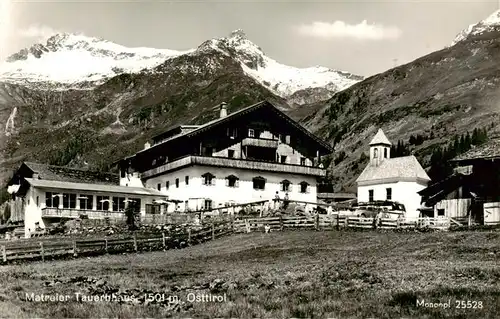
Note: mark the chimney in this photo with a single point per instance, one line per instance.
(147, 145)
(223, 109)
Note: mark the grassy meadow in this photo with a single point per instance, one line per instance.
(343, 274)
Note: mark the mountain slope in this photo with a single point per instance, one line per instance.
(80, 62)
(447, 92)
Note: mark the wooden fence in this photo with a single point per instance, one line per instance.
(50, 248)
(330, 222)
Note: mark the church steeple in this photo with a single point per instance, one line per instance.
(380, 148)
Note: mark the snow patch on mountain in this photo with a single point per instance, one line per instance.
(488, 24)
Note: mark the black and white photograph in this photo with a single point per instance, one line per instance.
(250, 159)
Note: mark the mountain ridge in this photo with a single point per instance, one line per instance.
(73, 61)
(445, 93)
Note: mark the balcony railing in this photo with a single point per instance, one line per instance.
(259, 142)
(75, 213)
(235, 163)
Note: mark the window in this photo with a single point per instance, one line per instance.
(441, 212)
(285, 186)
(86, 201)
(51, 199)
(304, 187)
(303, 161)
(37, 201)
(230, 153)
(385, 152)
(208, 204)
(370, 195)
(388, 192)
(232, 132)
(152, 209)
(69, 200)
(283, 159)
(259, 182)
(375, 153)
(136, 204)
(158, 186)
(186, 180)
(208, 179)
(176, 183)
(232, 181)
(287, 139)
(102, 202)
(118, 204)
(167, 185)
(251, 132)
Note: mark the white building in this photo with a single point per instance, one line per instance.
(396, 179)
(45, 194)
(243, 157)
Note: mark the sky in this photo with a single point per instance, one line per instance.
(361, 37)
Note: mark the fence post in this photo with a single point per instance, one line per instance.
(163, 239)
(189, 236)
(338, 221)
(281, 222)
(74, 248)
(106, 245)
(42, 251)
(398, 223)
(135, 242)
(4, 254)
(347, 222)
(316, 222)
(213, 231)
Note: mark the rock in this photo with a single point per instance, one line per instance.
(216, 284)
(100, 283)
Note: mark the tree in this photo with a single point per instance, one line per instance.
(412, 140)
(6, 213)
(340, 157)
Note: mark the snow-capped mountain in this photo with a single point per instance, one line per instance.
(81, 62)
(71, 59)
(489, 24)
(281, 79)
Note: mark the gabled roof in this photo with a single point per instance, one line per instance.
(439, 190)
(93, 187)
(488, 150)
(398, 168)
(65, 174)
(380, 138)
(219, 121)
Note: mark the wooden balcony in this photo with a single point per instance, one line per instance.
(234, 163)
(259, 142)
(76, 213)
